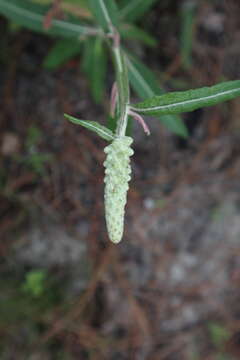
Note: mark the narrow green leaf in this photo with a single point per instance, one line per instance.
(134, 32)
(112, 123)
(101, 130)
(113, 11)
(105, 12)
(129, 126)
(94, 65)
(98, 70)
(87, 56)
(187, 28)
(175, 124)
(134, 9)
(62, 51)
(31, 16)
(184, 101)
(142, 79)
(144, 82)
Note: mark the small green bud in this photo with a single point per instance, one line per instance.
(117, 176)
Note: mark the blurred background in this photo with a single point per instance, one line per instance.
(171, 289)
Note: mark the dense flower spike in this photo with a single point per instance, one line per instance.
(117, 176)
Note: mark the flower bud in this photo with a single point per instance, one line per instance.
(117, 176)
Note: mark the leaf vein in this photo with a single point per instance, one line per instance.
(162, 107)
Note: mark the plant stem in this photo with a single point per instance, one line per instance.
(123, 88)
(113, 39)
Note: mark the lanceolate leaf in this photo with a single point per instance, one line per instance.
(87, 56)
(145, 85)
(105, 12)
(98, 70)
(62, 51)
(101, 130)
(93, 63)
(31, 15)
(184, 101)
(133, 32)
(112, 123)
(175, 124)
(142, 79)
(134, 9)
(187, 32)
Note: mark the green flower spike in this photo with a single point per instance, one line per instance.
(117, 176)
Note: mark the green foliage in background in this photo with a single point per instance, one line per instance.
(35, 283)
(218, 334)
(187, 32)
(76, 34)
(97, 29)
(23, 300)
(34, 158)
(27, 302)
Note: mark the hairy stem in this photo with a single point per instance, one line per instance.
(123, 89)
(112, 37)
(122, 80)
